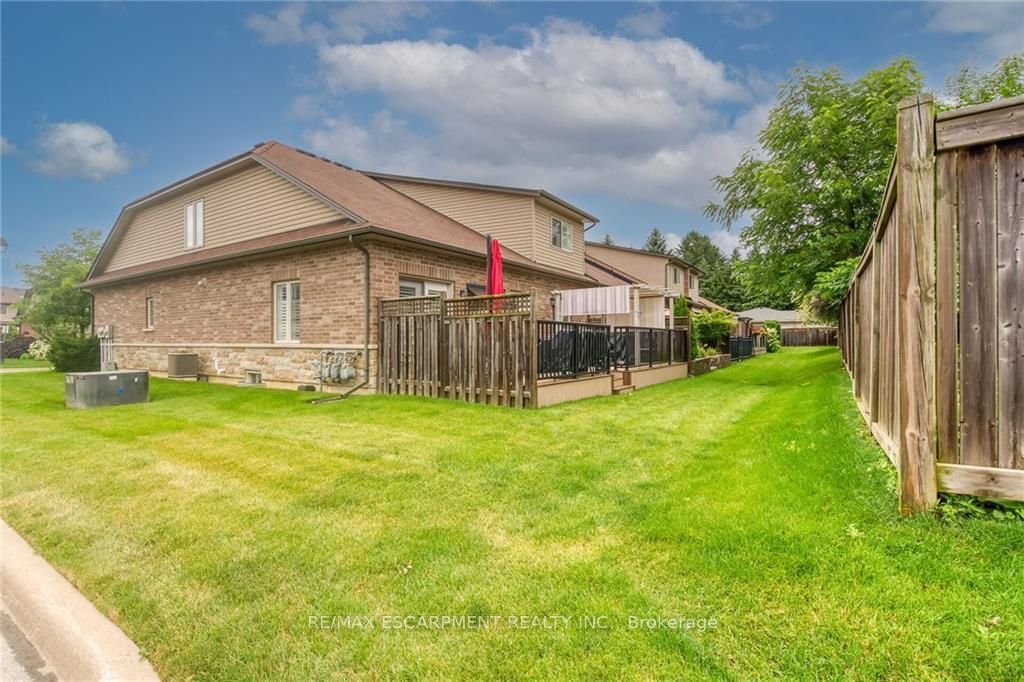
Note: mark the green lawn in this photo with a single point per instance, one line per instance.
(214, 522)
(22, 362)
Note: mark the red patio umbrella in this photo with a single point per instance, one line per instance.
(495, 268)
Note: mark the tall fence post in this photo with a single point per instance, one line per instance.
(915, 206)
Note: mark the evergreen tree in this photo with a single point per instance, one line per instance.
(656, 242)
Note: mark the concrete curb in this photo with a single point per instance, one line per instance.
(77, 641)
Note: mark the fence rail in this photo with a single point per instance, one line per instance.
(571, 349)
(932, 326)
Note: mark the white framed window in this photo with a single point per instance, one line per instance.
(407, 288)
(150, 313)
(194, 224)
(561, 234)
(286, 312)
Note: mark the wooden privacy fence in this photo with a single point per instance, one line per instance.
(809, 336)
(478, 349)
(932, 326)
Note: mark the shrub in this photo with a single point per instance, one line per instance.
(712, 328)
(39, 350)
(75, 353)
(772, 341)
(772, 324)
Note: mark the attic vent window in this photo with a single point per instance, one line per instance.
(194, 224)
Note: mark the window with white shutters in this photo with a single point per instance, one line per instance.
(561, 234)
(194, 224)
(286, 312)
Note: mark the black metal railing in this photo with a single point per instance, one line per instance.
(571, 349)
(648, 346)
(741, 347)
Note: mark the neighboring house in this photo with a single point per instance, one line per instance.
(665, 271)
(9, 299)
(785, 318)
(260, 262)
(536, 224)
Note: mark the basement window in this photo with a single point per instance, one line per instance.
(286, 312)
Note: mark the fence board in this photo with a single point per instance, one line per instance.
(946, 256)
(810, 336)
(1010, 306)
(978, 432)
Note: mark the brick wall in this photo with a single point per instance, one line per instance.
(225, 312)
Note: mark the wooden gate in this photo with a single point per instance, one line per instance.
(480, 349)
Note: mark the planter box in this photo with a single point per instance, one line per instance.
(709, 364)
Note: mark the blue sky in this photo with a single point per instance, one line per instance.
(625, 109)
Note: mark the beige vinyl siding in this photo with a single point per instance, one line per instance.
(255, 202)
(506, 217)
(547, 254)
(650, 269)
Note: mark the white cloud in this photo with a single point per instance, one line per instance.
(6, 147)
(745, 15)
(1000, 24)
(569, 110)
(306, 107)
(726, 241)
(441, 34)
(649, 22)
(672, 240)
(287, 26)
(353, 22)
(358, 20)
(80, 149)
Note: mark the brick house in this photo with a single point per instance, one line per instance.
(260, 262)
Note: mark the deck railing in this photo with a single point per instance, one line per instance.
(571, 349)
(648, 346)
(741, 347)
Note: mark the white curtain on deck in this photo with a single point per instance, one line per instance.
(597, 301)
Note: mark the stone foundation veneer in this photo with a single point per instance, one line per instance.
(280, 365)
(709, 364)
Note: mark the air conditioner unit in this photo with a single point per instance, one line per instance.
(182, 365)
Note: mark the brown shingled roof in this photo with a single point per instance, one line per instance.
(365, 205)
(374, 202)
(606, 274)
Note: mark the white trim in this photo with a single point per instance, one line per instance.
(291, 305)
(150, 313)
(195, 224)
